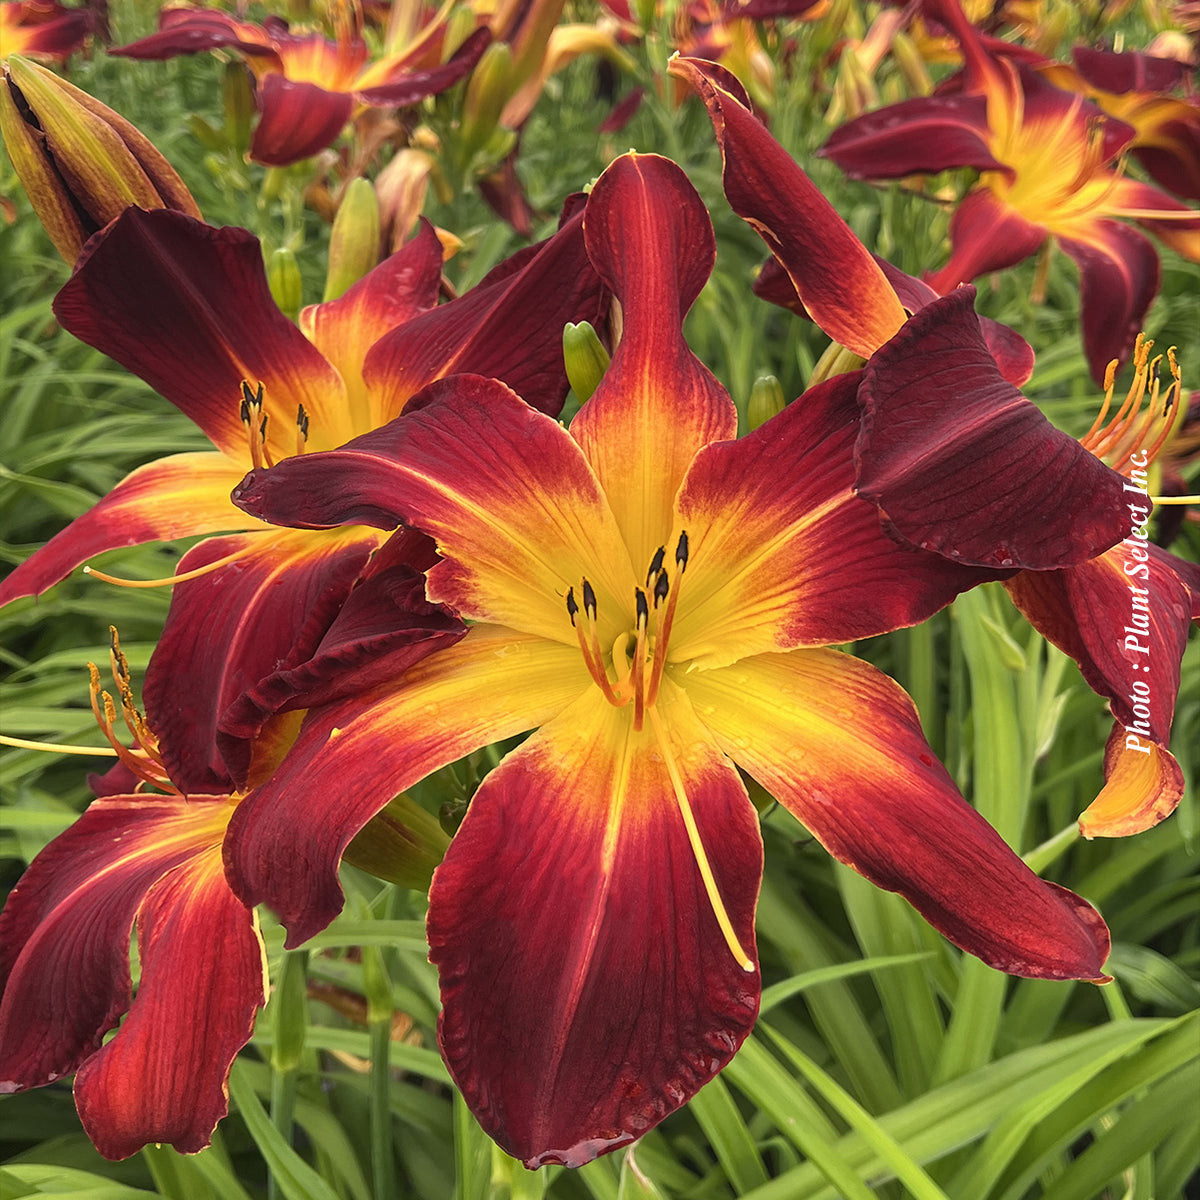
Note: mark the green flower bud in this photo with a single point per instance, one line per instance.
(488, 90)
(283, 277)
(402, 844)
(585, 357)
(80, 163)
(766, 401)
(354, 243)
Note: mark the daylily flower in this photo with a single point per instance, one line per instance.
(150, 858)
(306, 86)
(654, 599)
(1045, 159)
(958, 462)
(187, 308)
(43, 29)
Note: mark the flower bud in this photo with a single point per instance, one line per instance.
(283, 278)
(354, 242)
(488, 90)
(401, 844)
(766, 401)
(586, 359)
(80, 163)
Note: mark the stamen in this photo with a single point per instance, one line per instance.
(656, 564)
(668, 619)
(56, 747)
(638, 669)
(589, 642)
(255, 421)
(301, 429)
(710, 884)
(171, 580)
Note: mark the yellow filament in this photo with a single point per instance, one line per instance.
(170, 580)
(56, 747)
(710, 884)
(1175, 499)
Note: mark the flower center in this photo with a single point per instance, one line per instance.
(250, 409)
(638, 656)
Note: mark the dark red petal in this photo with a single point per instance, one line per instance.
(915, 137)
(64, 933)
(840, 745)
(508, 328)
(832, 271)
(1118, 279)
(1129, 71)
(960, 463)
(230, 629)
(286, 838)
(985, 235)
(384, 627)
(416, 85)
(588, 1002)
(162, 1079)
(651, 240)
(193, 30)
(296, 120)
(187, 307)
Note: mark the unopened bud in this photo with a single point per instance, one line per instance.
(766, 401)
(289, 1011)
(912, 65)
(283, 278)
(80, 163)
(401, 844)
(354, 242)
(237, 99)
(586, 358)
(488, 90)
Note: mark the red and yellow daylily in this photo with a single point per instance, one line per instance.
(43, 29)
(655, 600)
(150, 859)
(958, 462)
(1046, 161)
(187, 308)
(306, 86)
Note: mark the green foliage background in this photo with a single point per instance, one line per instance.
(885, 1063)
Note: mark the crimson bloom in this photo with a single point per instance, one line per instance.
(306, 86)
(958, 462)
(150, 858)
(1046, 161)
(43, 29)
(654, 599)
(187, 308)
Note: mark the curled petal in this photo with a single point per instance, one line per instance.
(1143, 783)
(175, 497)
(352, 757)
(193, 30)
(584, 1005)
(203, 979)
(227, 630)
(985, 235)
(960, 463)
(783, 553)
(651, 241)
(187, 308)
(831, 270)
(415, 85)
(840, 746)
(296, 119)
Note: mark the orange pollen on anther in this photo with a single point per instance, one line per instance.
(1132, 438)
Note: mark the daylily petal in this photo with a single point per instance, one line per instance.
(1118, 278)
(384, 627)
(832, 271)
(920, 136)
(178, 496)
(187, 308)
(509, 327)
(1143, 783)
(415, 85)
(1179, 226)
(192, 30)
(286, 839)
(985, 235)
(402, 287)
(163, 1077)
(296, 119)
(65, 931)
(650, 238)
(588, 1002)
(227, 630)
(503, 489)
(840, 745)
(1124, 618)
(960, 463)
(783, 556)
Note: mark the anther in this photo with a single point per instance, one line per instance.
(655, 565)
(301, 429)
(681, 551)
(589, 600)
(572, 606)
(643, 609)
(661, 587)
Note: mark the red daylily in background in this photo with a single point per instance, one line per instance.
(1046, 162)
(154, 858)
(43, 29)
(306, 86)
(654, 599)
(959, 462)
(187, 308)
